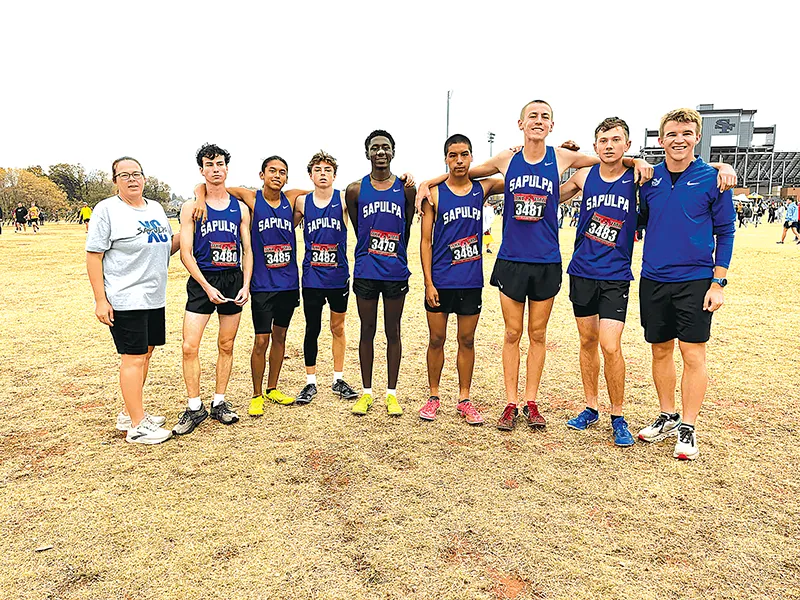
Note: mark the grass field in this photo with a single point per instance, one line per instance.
(312, 502)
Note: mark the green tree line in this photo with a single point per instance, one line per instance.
(63, 188)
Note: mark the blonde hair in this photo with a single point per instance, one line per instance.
(681, 115)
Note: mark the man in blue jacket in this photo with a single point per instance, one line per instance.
(688, 245)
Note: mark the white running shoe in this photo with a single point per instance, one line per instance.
(663, 427)
(124, 421)
(147, 432)
(686, 446)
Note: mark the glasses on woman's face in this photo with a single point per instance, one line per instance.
(136, 175)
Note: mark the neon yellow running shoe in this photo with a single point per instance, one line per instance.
(362, 404)
(256, 406)
(278, 397)
(392, 406)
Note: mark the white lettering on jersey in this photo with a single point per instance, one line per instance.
(462, 212)
(383, 206)
(533, 181)
(212, 226)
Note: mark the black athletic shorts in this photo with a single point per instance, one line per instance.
(535, 281)
(34, 221)
(229, 282)
(608, 299)
(273, 308)
(674, 310)
(134, 330)
(789, 224)
(370, 289)
(336, 297)
(463, 301)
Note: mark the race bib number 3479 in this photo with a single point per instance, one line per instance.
(604, 230)
(384, 243)
(529, 207)
(224, 254)
(277, 255)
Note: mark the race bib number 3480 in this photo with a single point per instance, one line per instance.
(384, 243)
(604, 230)
(529, 207)
(277, 255)
(224, 254)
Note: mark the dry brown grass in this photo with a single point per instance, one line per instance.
(311, 502)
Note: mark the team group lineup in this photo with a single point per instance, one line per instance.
(238, 245)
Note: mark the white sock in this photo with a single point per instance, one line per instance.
(337, 375)
(194, 403)
(218, 399)
(311, 378)
(391, 393)
(368, 391)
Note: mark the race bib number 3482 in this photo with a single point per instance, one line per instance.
(325, 255)
(465, 250)
(384, 243)
(529, 207)
(224, 254)
(604, 230)
(277, 255)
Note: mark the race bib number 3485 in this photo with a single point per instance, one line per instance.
(277, 255)
(384, 243)
(529, 207)
(224, 254)
(604, 230)
(465, 250)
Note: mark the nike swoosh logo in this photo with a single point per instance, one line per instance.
(547, 164)
(693, 183)
(334, 205)
(476, 194)
(395, 190)
(627, 180)
(404, 288)
(620, 310)
(624, 295)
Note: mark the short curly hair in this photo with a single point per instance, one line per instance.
(322, 157)
(210, 151)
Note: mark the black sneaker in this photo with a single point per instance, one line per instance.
(343, 390)
(189, 420)
(223, 412)
(307, 394)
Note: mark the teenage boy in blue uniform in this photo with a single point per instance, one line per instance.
(689, 227)
(452, 264)
(217, 254)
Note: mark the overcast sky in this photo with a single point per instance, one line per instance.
(85, 82)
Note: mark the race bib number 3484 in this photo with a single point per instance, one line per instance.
(529, 207)
(384, 243)
(465, 250)
(604, 230)
(277, 255)
(224, 254)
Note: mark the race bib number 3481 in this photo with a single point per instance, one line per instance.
(529, 207)
(604, 230)
(384, 243)
(277, 255)
(224, 254)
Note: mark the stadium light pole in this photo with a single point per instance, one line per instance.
(490, 136)
(447, 124)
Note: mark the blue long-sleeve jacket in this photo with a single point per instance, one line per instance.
(684, 224)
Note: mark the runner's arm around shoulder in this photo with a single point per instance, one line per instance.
(410, 194)
(244, 194)
(573, 185)
(299, 211)
(492, 186)
(351, 200)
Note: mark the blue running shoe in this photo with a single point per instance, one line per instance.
(583, 420)
(622, 435)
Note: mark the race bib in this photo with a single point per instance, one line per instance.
(277, 255)
(324, 255)
(384, 243)
(224, 254)
(604, 230)
(464, 250)
(529, 207)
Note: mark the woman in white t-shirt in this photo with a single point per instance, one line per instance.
(127, 255)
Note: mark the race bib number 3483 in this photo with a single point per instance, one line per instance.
(224, 254)
(465, 250)
(384, 243)
(277, 255)
(529, 207)
(324, 255)
(604, 230)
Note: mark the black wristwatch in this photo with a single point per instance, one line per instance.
(721, 281)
